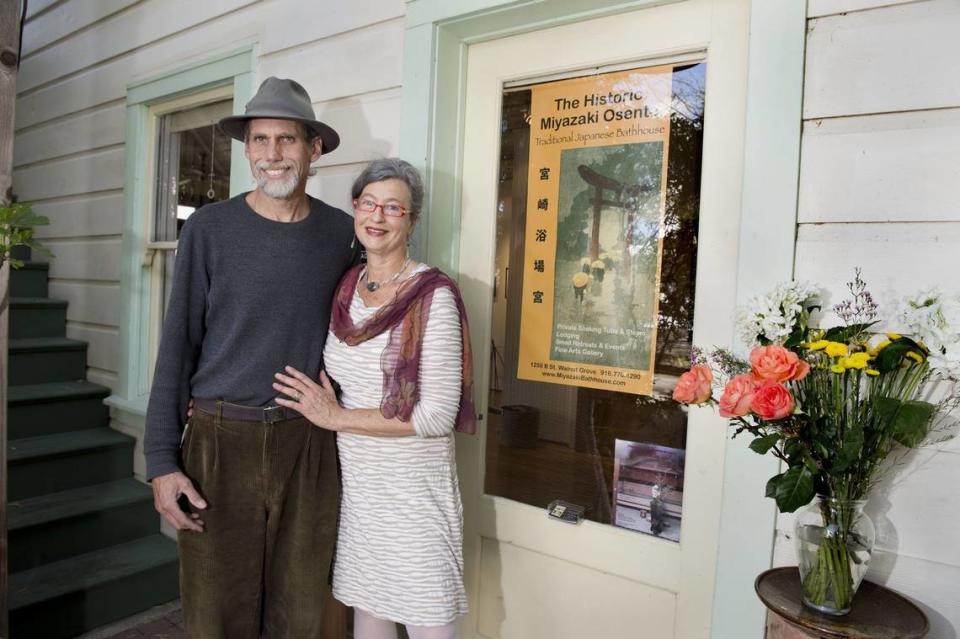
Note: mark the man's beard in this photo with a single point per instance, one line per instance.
(279, 190)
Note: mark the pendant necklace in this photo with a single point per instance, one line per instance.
(372, 286)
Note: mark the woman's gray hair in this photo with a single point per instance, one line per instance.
(392, 169)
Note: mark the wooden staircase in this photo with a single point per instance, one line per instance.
(84, 540)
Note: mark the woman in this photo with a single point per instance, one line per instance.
(399, 348)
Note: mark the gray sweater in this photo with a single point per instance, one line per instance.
(249, 296)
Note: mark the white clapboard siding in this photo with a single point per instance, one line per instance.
(819, 8)
(148, 22)
(110, 380)
(89, 302)
(89, 130)
(65, 19)
(897, 259)
(893, 167)
(97, 171)
(288, 23)
(891, 59)
(82, 215)
(911, 488)
(107, 82)
(373, 56)
(332, 184)
(369, 126)
(94, 259)
(36, 7)
(103, 350)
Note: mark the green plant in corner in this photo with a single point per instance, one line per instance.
(17, 222)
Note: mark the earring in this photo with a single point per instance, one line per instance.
(353, 242)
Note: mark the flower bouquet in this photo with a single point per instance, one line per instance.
(832, 404)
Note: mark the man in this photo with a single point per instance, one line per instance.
(251, 487)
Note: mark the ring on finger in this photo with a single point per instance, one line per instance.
(297, 396)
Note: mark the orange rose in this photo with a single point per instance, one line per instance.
(738, 395)
(771, 400)
(694, 386)
(776, 363)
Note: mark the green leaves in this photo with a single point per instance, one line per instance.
(890, 357)
(908, 421)
(792, 489)
(849, 450)
(16, 229)
(846, 334)
(762, 445)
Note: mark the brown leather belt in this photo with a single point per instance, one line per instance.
(267, 414)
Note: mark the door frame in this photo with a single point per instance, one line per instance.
(437, 37)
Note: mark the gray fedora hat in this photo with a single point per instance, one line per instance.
(280, 99)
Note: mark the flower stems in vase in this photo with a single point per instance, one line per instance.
(835, 541)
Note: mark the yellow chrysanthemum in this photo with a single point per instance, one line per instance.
(894, 335)
(915, 357)
(818, 345)
(836, 349)
(872, 372)
(857, 360)
(837, 368)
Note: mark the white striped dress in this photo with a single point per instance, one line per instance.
(399, 549)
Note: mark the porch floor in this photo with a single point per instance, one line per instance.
(160, 622)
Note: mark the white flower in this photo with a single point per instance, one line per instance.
(934, 319)
(774, 316)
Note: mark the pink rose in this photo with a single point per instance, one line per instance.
(694, 386)
(803, 368)
(771, 400)
(738, 395)
(777, 364)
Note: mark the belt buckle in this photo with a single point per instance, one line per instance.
(272, 414)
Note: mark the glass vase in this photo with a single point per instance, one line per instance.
(834, 544)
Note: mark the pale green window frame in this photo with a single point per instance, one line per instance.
(438, 33)
(233, 75)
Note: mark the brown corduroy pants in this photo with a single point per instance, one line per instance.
(261, 567)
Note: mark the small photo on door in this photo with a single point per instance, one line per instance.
(648, 488)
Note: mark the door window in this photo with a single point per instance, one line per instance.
(595, 265)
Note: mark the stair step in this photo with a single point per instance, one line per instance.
(52, 463)
(21, 252)
(73, 522)
(37, 317)
(34, 360)
(56, 407)
(44, 409)
(26, 394)
(30, 280)
(66, 598)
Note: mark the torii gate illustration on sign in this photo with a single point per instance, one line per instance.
(628, 199)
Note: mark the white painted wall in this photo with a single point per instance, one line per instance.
(78, 58)
(880, 189)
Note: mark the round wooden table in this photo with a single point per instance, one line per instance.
(877, 612)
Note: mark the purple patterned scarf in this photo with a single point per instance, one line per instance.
(406, 319)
